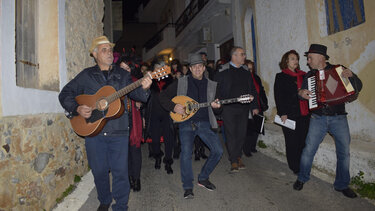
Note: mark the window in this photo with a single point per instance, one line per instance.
(344, 14)
(26, 46)
(37, 50)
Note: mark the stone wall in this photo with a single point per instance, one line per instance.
(40, 154)
(39, 157)
(83, 22)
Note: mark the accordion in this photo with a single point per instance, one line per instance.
(329, 87)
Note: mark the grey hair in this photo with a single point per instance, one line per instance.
(234, 49)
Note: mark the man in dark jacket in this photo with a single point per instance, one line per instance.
(235, 81)
(327, 119)
(108, 150)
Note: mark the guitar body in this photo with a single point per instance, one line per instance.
(114, 110)
(107, 103)
(189, 112)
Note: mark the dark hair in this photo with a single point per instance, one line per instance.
(248, 61)
(284, 59)
(178, 63)
(203, 53)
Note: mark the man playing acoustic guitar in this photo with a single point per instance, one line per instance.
(108, 150)
(201, 90)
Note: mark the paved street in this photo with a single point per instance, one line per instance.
(266, 184)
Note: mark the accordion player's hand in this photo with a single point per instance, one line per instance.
(305, 93)
(346, 73)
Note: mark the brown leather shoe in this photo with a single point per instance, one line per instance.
(240, 164)
(234, 168)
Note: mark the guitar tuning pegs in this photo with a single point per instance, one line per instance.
(158, 79)
(166, 76)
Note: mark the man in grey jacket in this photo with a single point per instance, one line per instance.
(202, 90)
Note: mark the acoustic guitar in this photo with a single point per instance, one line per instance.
(191, 106)
(106, 104)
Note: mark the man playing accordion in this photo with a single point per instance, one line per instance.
(327, 118)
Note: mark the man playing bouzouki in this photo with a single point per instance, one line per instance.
(108, 150)
(201, 89)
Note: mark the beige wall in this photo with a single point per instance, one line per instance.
(48, 45)
(354, 48)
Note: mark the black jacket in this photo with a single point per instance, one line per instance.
(234, 82)
(286, 96)
(89, 81)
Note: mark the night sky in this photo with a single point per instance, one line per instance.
(130, 9)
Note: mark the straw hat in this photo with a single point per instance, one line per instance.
(99, 40)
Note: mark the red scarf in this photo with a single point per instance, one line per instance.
(299, 74)
(136, 130)
(258, 90)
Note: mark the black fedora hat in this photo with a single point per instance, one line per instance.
(319, 49)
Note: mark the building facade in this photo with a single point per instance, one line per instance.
(267, 29)
(39, 152)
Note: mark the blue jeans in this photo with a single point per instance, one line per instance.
(106, 154)
(187, 135)
(338, 127)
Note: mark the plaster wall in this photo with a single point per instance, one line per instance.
(354, 48)
(48, 51)
(281, 26)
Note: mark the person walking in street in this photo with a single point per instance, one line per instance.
(108, 150)
(234, 80)
(201, 89)
(330, 119)
(262, 101)
(290, 106)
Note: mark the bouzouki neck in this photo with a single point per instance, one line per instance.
(226, 101)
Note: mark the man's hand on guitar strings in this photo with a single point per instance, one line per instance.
(179, 109)
(84, 111)
(215, 104)
(146, 83)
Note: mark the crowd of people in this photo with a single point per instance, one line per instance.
(146, 119)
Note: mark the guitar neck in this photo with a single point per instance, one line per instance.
(227, 101)
(124, 91)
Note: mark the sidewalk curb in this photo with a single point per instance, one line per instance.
(78, 197)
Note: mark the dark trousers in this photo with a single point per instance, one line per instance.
(135, 161)
(295, 142)
(235, 126)
(106, 154)
(251, 138)
(161, 125)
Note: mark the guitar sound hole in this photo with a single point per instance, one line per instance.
(96, 115)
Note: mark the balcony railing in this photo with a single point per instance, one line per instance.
(189, 13)
(157, 38)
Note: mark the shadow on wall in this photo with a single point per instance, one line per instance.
(366, 97)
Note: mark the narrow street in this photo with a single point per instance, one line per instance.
(266, 184)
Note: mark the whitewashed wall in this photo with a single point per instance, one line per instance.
(281, 26)
(18, 100)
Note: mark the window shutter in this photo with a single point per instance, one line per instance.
(26, 45)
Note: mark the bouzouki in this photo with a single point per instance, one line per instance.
(106, 104)
(191, 106)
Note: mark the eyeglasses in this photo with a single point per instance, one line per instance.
(241, 54)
